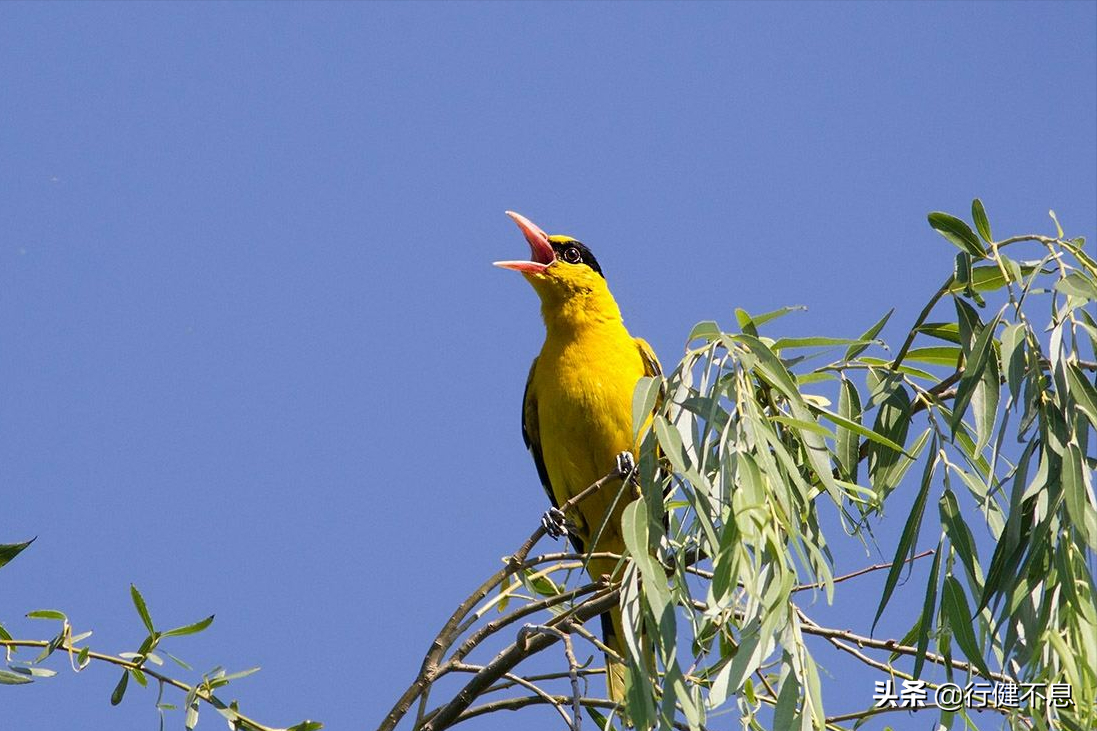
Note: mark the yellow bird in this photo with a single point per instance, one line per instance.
(577, 409)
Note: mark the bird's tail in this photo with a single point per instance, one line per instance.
(613, 637)
(615, 669)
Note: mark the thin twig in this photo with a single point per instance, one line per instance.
(573, 669)
(861, 572)
(810, 627)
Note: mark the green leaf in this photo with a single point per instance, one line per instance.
(1013, 357)
(987, 278)
(765, 317)
(142, 609)
(984, 401)
(803, 425)
(979, 216)
(7, 677)
(706, 330)
(957, 232)
(856, 428)
(908, 539)
(1083, 392)
(644, 397)
(868, 337)
(946, 355)
(189, 629)
(960, 536)
(816, 342)
(47, 614)
(892, 422)
(955, 607)
(942, 331)
(981, 352)
(190, 720)
(1058, 228)
(1077, 284)
(746, 323)
(785, 710)
(929, 607)
(848, 446)
(1079, 509)
(671, 442)
(120, 689)
(8, 551)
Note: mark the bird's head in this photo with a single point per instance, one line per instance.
(560, 268)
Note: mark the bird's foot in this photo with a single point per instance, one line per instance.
(626, 464)
(554, 523)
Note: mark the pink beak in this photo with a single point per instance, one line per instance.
(541, 253)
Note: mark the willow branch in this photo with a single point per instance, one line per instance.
(206, 696)
(810, 627)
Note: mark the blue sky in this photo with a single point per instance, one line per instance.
(254, 357)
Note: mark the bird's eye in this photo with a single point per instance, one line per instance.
(572, 255)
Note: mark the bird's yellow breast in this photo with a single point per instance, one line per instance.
(583, 383)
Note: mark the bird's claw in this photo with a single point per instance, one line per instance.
(554, 523)
(626, 464)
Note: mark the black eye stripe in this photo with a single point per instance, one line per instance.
(575, 252)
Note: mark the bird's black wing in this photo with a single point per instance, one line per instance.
(531, 435)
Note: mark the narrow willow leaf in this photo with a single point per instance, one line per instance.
(47, 614)
(120, 689)
(644, 397)
(984, 401)
(671, 442)
(957, 232)
(929, 608)
(746, 323)
(948, 331)
(8, 551)
(848, 446)
(1083, 392)
(190, 629)
(1077, 284)
(142, 608)
(814, 342)
(946, 355)
(1013, 357)
(1001, 574)
(892, 422)
(1058, 228)
(750, 655)
(981, 352)
(868, 337)
(987, 278)
(785, 710)
(961, 274)
(852, 426)
(7, 677)
(705, 330)
(191, 718)
(800, 424)
(979, 216)
(961, 538)
(955, 607)
(909, 538)
(968, 323)
(1075, 490)
(765, 317)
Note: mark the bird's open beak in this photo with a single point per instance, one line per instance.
(541, 253)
